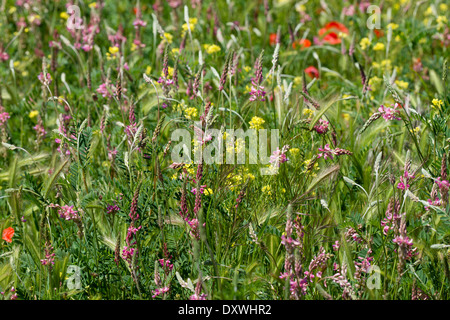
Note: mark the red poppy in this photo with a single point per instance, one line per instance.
(302, 43)
(378, 32)
(333, 25)
(331, 31)
(312, 72)
(273, 39)
(332, 38)
(8, 234)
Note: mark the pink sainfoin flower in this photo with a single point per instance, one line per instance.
(406, 177)
(349, 11)
(322, 127)
(437, 202)
(40, 130)
(159, 291)
(336, 246)
(279, 156)
(443, 183)
(389, 113)
(49, 256)
(128, 253)
(392, 217)
(118, 38)
(326, 152)
(202, 189)
(403, 241)
(66, 212)
(197, 293)
(111, 209)
(4, 116)
(103, 89)
(139, 23)
(3, 55)
(45, 80)
(166, 264)
(257, 91)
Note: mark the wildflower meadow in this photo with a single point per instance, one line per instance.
(224, 150)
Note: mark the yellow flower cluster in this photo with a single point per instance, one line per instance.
(211, 48)
(364, 43)
(437, 103)
(416, 130)
(112, 53)
(190, 113)
(267, 190)
(294, 151)
(33, 114)
(256, 123)
(442, 21)
(392, 25)
(192, 23)
(402, 84)
(315, 167)
(235, 181)
(379, 46)
(308, 112)
(385, 64)
(167, 37)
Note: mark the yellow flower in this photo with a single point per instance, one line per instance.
(211, 48)
(294, 151)
(374, 82)
(346, 116)
(267, 190)
(308, 112)
(283, 190)
(437, 103)
(402, 84)
(64, 15)
(174, 176)
(398, 38)
(33, 114)
(148, 70)
(442, 22)
(190, 113)
(169, 70)
(93, 5)
(443, 7)
(192, 23)
(176, 51)
(300, 8)
(256, 123)
(297, 81)
(240, 145)
(364, 43)
(12, 10)
(315, 166)
(207, 191)
(168, 37)
(113, 50)
(392, 25)
(415, 130)
(247, 68)
(429, 11)
(379, 46)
